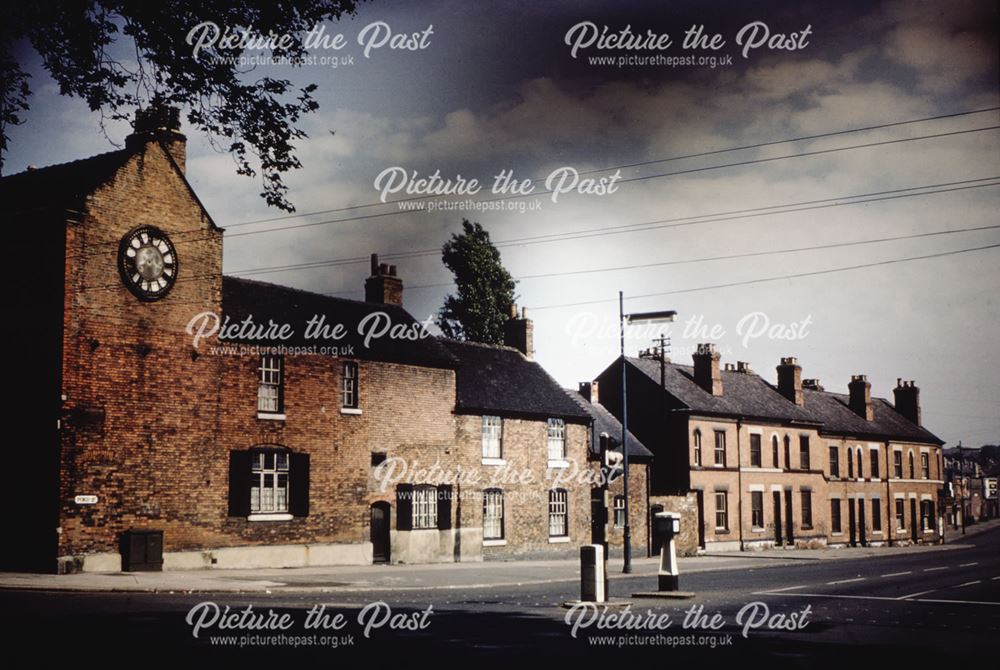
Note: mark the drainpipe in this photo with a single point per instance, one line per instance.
(890, 504)
(739, 480)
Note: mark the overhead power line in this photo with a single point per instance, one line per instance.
(762, 280)
(701, 154)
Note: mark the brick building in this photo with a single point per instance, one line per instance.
(241, 452)
(752, 464)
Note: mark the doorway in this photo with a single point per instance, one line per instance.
(777, 517)
(380, 532)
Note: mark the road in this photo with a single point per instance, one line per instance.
(928, 607)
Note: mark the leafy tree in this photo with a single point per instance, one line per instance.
(485, 292)
(253, 119)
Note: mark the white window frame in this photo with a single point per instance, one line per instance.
(492, 438)
(270, 377)
(759, 450)
(618, 505)
(493, 515)
(558, 513)
(697, 447)
(722, 510)
(837, 529)
(268, 469)
(719, 436)
(754, 496)
(556, 430)
(350, 385)
(425, 514)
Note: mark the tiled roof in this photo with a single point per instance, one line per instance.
(605, 422)
(245, 297)
(500, 380)
(749, 395)
(837, 417)
(62, 185)
(744, 394)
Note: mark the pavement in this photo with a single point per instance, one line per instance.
(458, 576)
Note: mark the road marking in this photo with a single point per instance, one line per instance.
(993, 579)
(978, 581)
(846, 581)
(787, 588)
(847, 597)
(968, 565)
(914, 595)
(958, 602)
(897, 574)
(935, 569)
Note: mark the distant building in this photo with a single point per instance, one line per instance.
(781, 465)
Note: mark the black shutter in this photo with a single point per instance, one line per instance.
(444, 506)
(239, 483)
(298, 484)
(404, 507)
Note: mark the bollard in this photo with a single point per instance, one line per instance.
(592, 574)
(668, 576)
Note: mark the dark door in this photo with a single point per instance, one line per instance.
(380, 532)
(598, 517)
(852, 527)
(862, 533)
(789, 519)
(913, 519)
(777, 516)
(701, 519)
(657, 535)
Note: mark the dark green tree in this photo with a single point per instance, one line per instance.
(485, 290)
(253, 118)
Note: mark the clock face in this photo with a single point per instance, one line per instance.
(147, 262)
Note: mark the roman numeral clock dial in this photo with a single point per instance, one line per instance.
(147, 263)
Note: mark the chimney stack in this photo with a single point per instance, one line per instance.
(159, 123)
(790, 380)
(812, 384)
(908, 400)
(383, 286)
(519, 333)
(706, 369)
(589, 390)
(743, 367)
(861, 397)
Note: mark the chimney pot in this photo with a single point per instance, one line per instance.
(907, 396)
(706, 369)
(519, 333)
(383, 286)
(159, 123)
(790, 380)
(861, 397)
(590, 391)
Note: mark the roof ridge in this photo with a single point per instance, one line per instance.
(483, 345)
(295, 289)
(36, 170)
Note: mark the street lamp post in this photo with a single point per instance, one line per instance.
(623, 318)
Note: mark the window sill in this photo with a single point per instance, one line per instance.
(807, 528)
(559, 540)
(722, 531)
(558, 463)
(494, 461)
(494, 543)
(278, 516)
(350, 410)
(271, 416)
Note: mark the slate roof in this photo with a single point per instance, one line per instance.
(282, 304)
(742, 393)
(837, 417)
(749, 395)
(605, 422)
(500, 380)
(62, 185)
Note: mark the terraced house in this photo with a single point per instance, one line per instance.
(755, 464)
(148, 449)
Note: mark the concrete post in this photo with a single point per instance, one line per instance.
(668, 576)
(593, 583)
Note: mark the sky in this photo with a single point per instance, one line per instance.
(759, 188)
